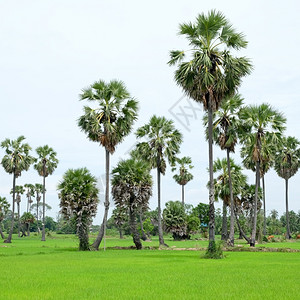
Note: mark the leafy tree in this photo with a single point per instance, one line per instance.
(45, 165)
(287, 163)
(263, 126)
(210, 74)
(273, 223)
(184, 175)
(131, 190)
(162, 144)
(27, 219)
(4, 206)
(30, 193)
(107, 124)
(79, 199)
(15, 161)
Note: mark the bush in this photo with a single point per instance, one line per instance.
(214, 250)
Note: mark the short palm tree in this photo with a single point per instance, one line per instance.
(38, 188)
(184, 175)
(78, 195)
(263, 127)
(16, 160)
(107, 124)
(210, 74)
(4, 206)
(163, 142)
(19, 189)
(30, 193)
(287, 162)
(131, 190)
(45, 165)
(27, 219)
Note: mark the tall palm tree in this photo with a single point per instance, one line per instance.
(15, 161)
(45, 165)
(38, 188)
(263, 127)
(286, 165)
(78, 195)
(4, 206)
(107, 124)
(19, 189)
(163, 142)
(210, 74)
(131, 190)
(228, 185)
(29, 194)
(184, 175)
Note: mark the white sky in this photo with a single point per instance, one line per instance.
(50, 50)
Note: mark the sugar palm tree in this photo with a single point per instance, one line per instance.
(286, 165)
(162, 144)
(184, 175)
(27, 219)
(131, 190)
(210, 74)
(15, 161)
(264, 126)
(4, 206)
(107, 124)
(79, 199)
(30, 193)
(38, 188)
(19, 189)
(45, 165)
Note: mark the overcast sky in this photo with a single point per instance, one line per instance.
(50, 50)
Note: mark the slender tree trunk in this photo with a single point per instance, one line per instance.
(242, 233)
(83, 234)
(230, 241)
(211, 223)
(44, 204)
(253, 235)
(1, 233)
(18, 206)
(224, 223)
(264, 204)
(8, 240)
(37, 213)
(28, 229)
(144, 237)
(102, 230)
(160, 231)
(133, 228)
(288, 231)
(121, 233)
(182, 195)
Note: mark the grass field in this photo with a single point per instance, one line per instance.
(31, 269)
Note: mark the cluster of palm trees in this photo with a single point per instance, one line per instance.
(17, 159)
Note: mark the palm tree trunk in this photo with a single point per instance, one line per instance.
(37, 214)
(144, 237)
(8, 240)
(264, 204)
(288, 232)
(83, 234)
(211, 223)
(133, 228)
(1, 232)
(253, 235)
(224, 223)
(160, 231)
(242, 233)
(182, 195)
(230, 241)
(121, 233)
(44, 205)
(18, 206)
(102, 230)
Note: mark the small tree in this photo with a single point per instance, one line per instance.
(27, 219)
(30, 193)
(4, 206)
(79, 199)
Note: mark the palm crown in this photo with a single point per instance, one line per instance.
(184, 175)
(47, 162)
(112, 120)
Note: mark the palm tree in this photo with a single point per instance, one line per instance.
(263, 127)
(45, 165)
(184, 175)
(15, 161)
(286, 165)
(107, 124)
(131, 190)
(228, 185)
(210, 74)
(29, 194)
(163, 142)
(19, 189)
(27, 219)
(79, 199)
(4, 206)
(38, 188)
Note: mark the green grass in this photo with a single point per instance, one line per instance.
(31, 269)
